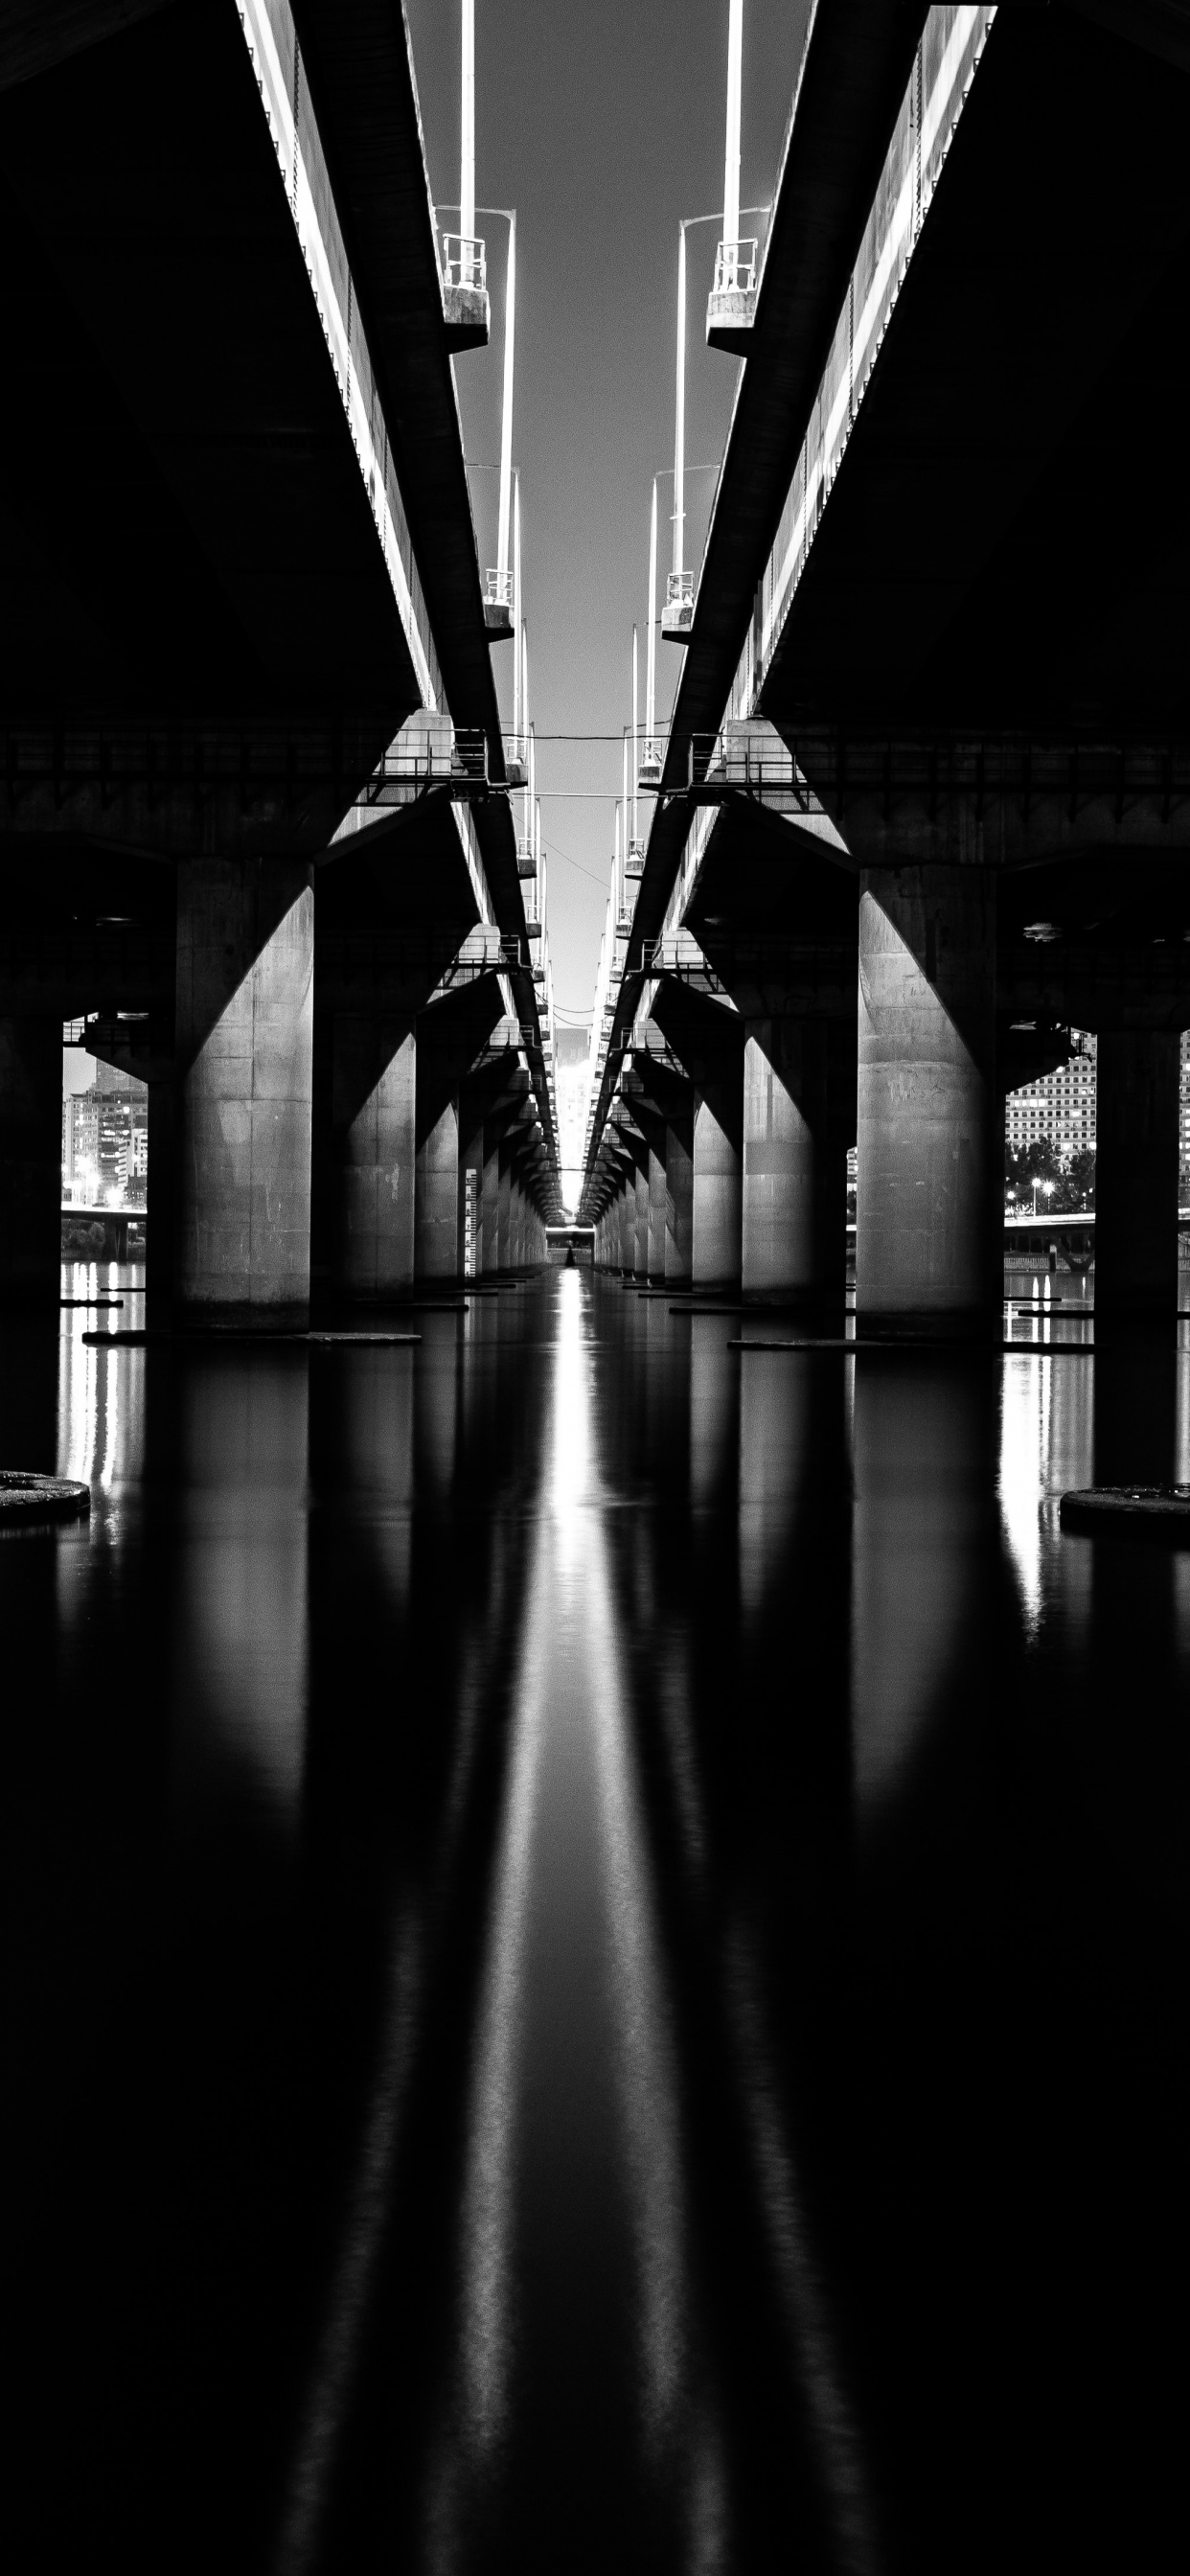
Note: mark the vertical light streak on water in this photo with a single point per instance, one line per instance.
(572, 1912)
(1024, 1461)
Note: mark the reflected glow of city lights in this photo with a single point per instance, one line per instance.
(572, 1787)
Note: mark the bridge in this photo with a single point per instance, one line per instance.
(925, 798)
(255, 820)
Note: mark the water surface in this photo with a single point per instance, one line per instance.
(594, 1963)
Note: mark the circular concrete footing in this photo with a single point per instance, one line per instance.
(27, 1497)
(1141, 1511)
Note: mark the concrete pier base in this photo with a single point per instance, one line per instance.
(1136, 1175)
(929, 1224)
(799, 1120)
(31, 1161)
(244, 1034)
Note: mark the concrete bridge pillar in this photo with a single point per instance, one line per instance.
(31, 1159)
(679, 1198)
(1136, 1174)
(628, 1225)
(374, 1150)
(245, 1028)
(929, 1219)
(717, 1212)
(436, 1198)
(641, 1247)
(656, 1246)
(799, 1120)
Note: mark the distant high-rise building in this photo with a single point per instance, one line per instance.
(1059, 1109)
(105, 1143)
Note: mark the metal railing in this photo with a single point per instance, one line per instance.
(464, 262)
(735, 267)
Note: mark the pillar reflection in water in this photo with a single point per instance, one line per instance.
(775, 1398)
(714, 1409)
(922, 1481)
(572, 2217)
(241, 1657)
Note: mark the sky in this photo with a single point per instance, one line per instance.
(604, 126)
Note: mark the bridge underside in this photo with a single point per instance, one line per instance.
(1006, 545)
(201, 644)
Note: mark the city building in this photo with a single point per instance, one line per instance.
(1060, 1109)
(105, 1143)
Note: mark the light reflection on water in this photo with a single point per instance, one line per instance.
(573, 2107)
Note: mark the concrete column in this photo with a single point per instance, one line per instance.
(31, 1160)
(799, 1114)
(929, 1230)
(245, 1030)
(374, 1100)
(642, 1217)
(436, 1199)
(718, 1191)
(628, 1225)
(679, 1200)
(1136, 1173)
(656, 1248)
